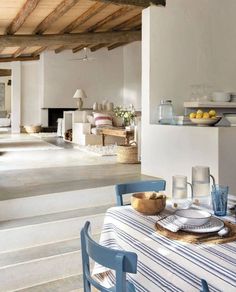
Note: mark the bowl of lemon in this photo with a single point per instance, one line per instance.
(201, 118)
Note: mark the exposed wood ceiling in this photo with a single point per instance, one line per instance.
(28, 27)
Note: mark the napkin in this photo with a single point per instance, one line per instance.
(171, 223)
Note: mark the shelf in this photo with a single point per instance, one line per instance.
(209, 104)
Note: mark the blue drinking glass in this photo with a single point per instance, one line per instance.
(219, 197)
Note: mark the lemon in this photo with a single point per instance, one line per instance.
(212, 113)
(206, 115)
(192, 115)
(198, 116)
(200, 112)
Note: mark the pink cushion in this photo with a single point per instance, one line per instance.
(102, 120)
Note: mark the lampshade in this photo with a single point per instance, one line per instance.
(80, 94)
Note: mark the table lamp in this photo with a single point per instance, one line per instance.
(80, 95)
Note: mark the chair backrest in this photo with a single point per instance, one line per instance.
(121, 261)
(140, 186)
(204, 286)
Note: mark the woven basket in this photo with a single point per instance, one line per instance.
(127, 154)
(33, 129)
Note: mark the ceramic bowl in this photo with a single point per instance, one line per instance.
(142, 203)
(192, 217)
(221, 96)
(206, 122)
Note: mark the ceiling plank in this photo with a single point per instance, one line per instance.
(18, 52)
(115, 45)
(140, 3)
(12, 59)
(111, 17)
(88, 14)
(128, 22)
(69, 39)
(59, 11)
(22, 15)
(5, 72)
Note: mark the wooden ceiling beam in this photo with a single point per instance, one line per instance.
(39, 51)
(140, 3)
(115, 45)
(12, 59)
(60, 49)
(78, 48)
(88, 14)
(5, 72)
(97, 47)
(69, 39)
(21, 16)
(18, 52)
(59, 11)
(120, 12)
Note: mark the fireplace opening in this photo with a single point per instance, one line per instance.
(56, 113)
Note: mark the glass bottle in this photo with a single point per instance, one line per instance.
(165, 112)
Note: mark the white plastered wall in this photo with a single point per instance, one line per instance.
(187, 42)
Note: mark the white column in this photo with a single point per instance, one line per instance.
(16, 97)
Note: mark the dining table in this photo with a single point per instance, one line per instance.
(165, 264)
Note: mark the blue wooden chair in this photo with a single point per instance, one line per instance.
(140, 186)
(121, 261)
(204, 286)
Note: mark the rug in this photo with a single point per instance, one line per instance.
(6, 146)
(99, 150)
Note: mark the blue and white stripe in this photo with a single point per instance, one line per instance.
(164, 264)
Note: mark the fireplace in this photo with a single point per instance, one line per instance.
(56, 113)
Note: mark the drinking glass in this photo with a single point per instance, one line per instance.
(179, 187)
(219, 197)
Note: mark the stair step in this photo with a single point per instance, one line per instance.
(22, 233)
(40, 264)
(69, 284)
(56, 202)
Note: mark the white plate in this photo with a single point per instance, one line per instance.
(213, 225)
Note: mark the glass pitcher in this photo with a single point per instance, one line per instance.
(201, 184)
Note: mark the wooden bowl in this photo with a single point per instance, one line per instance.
(145, 204)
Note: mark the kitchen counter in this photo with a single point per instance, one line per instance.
(175, 149)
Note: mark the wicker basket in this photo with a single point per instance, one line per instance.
(33, 129)
(127, 154)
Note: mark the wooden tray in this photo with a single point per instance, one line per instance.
(190, 237)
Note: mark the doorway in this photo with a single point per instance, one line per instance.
(5, 100)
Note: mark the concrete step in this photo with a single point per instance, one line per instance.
(33, 231)
(42, 264)
(69, 284)
(56, 202)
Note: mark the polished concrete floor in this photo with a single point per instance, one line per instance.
(55, 166)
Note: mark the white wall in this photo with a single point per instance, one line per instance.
(187, 42)
(191, 42)
(4, 80)
(132, 74)
(52, 81)
(101, 78)
(30, 93)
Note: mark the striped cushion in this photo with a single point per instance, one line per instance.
(102, 120)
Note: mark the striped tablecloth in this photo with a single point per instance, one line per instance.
(164, 264)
